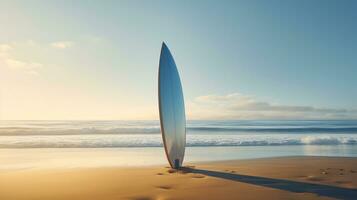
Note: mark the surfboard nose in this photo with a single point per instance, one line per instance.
(165, 50)
(164, 45)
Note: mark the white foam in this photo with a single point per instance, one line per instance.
(145, 140)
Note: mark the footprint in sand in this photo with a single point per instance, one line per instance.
(172, 171)
(314, 178)
(230, 171)
(197, 176)
(142, 198)
(324, 173)
(164, 187)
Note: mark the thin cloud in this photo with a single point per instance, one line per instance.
(238, 106)
(6, 57)
(4, 50)
(62, 44)
(30, 67)
(5, 47)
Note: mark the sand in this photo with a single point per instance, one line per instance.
(272, 178)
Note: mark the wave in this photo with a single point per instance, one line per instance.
(28, 128)
(108, 141)
(279, 129)
(18, 131)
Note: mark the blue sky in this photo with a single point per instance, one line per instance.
(237, 59)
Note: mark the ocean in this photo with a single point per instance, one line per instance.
(108, 134)
(117, 142)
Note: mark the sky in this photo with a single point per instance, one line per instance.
(98, 60)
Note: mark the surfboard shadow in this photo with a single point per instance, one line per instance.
(287, 185)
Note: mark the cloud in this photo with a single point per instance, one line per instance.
(5, 47)
(4, 50)
(6, 57)
(62, 44)
(238, 106)
(30, 67)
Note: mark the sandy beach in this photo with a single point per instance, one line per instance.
(269, 178)
(247, 100)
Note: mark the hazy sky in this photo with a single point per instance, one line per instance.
(237, 59)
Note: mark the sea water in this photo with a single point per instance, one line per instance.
(137, 143)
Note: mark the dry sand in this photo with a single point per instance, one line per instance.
(273, 178)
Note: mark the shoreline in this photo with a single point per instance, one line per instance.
(293, 177)
(154, 156)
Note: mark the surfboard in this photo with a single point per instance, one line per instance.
(172, 109)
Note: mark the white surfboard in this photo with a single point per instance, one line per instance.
(172, 109)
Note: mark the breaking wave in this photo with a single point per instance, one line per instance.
(103, 134)
(279, 129)
(106, 141)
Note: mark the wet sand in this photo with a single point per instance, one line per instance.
(268, 178)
